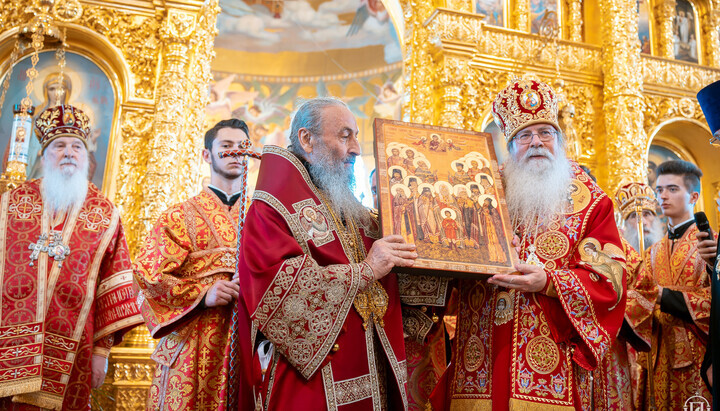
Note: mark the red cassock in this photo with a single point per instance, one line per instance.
(337, 333)
(53, 318)
(517, 350)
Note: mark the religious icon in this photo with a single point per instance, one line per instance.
(84, 85)
(445, 196)
(685, 45)
(644, 26)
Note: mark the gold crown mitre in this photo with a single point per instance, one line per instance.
(627, 196)
(62, 121)
(523, 103)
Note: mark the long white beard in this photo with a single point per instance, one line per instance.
(652, 234)
(63, 189)
(337, 182)
(537, 190)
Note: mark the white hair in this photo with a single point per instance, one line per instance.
(651, 234)
(537, 189)
(309, 116)
(64, 188)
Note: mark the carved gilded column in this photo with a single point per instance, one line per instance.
(168, 127)
(453, 74)
(575, 22)
(419, 73)
(521, 15)
(625, 144)
(664, 16)
(710, 23)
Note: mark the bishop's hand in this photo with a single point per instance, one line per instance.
(388, 252)
(222, 293)
(532, 278)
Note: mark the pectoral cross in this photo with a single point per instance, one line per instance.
(51, 244)
(39, 247)
(532, 258)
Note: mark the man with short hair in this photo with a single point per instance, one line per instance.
(328, 304)
(185, 276)
(527, 340)
(66, 279)
(682, 307)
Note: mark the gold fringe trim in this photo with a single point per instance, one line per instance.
(41, 399)
(20, 387)
(522, 405)
(469, 404)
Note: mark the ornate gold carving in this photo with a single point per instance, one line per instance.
(665, 14)
(710, 21)
(521, 15)
(133, 372)
(136, 36)
(574, 22)
(625, 155)
(666, 74)
(500, 42)
(131, 399)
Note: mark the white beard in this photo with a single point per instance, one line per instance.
(337, 182)
(63, 189)
(537, 190)
(652, 234)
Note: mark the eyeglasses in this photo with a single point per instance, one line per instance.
(527, 136)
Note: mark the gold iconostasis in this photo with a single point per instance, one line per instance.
(154, 75)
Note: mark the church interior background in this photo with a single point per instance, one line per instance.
(154, 75)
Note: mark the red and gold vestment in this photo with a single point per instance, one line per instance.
(55, 315)
(678, 345)
(613, 378)
(337, 333)
(192, 246)
(517, 350)
(424, 299)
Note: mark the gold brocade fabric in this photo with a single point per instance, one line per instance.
(191, 247)
(371, 303)
(678, 347)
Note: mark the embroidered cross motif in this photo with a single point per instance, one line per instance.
(51, 244)
(24, 209)
(228, 259)
(94, 218)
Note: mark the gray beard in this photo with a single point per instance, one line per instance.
(537, 190)
(653, 235)
(61, 190)
(337, 183)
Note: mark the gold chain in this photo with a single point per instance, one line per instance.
(38, 39)
(6, 83)
(372, 302)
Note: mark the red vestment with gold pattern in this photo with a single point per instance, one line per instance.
(678, 345)
(517, 350)
(55, 315)
(337, 333)
(191, 247)
(424, 299)
(613, 378)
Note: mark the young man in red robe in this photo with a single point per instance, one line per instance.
(682, 309)
(65, 276)
(185, 276)
(327, 302)
(529, 340)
